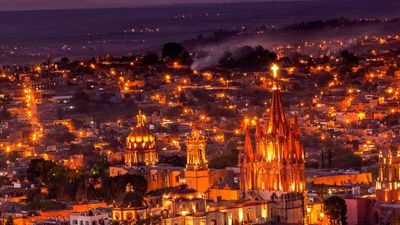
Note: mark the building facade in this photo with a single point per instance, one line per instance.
(91, 217)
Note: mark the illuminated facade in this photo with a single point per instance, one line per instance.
(272, 166)
(388, 181)
(141, 145)
(196, 171)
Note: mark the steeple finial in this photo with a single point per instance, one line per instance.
(141, 119)
(275, 70)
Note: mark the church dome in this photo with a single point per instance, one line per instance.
(140, 137)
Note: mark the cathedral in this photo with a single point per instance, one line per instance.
(272, 160)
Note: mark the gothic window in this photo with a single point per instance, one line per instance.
(213, 222)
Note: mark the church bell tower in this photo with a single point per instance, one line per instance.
(196, 172)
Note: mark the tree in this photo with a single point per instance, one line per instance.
(150, 58)
(172, 50)
(38, 169)
(64, 60)
(81, 99)
(335, 207)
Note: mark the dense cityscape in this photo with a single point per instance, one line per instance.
(305, 132)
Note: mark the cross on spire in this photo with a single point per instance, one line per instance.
(274, 69)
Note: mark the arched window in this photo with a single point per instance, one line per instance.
(117, 216)
(129, 216)
(261, 179)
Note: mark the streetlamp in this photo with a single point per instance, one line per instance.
(308, 210)
(321, 217)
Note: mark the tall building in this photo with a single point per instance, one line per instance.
(196, 171)
(272, 162)
(388, 181)
(141, 145)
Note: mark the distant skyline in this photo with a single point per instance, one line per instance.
(9, 5)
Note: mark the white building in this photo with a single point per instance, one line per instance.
(91, 217)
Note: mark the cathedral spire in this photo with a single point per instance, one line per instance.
(258, 130)
(248, 147)
(277, 122)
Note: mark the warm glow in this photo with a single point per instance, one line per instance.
(361, 116)
(274, 69)
(240, 215)
(167, 78)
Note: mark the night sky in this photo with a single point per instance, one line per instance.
(6, 5)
